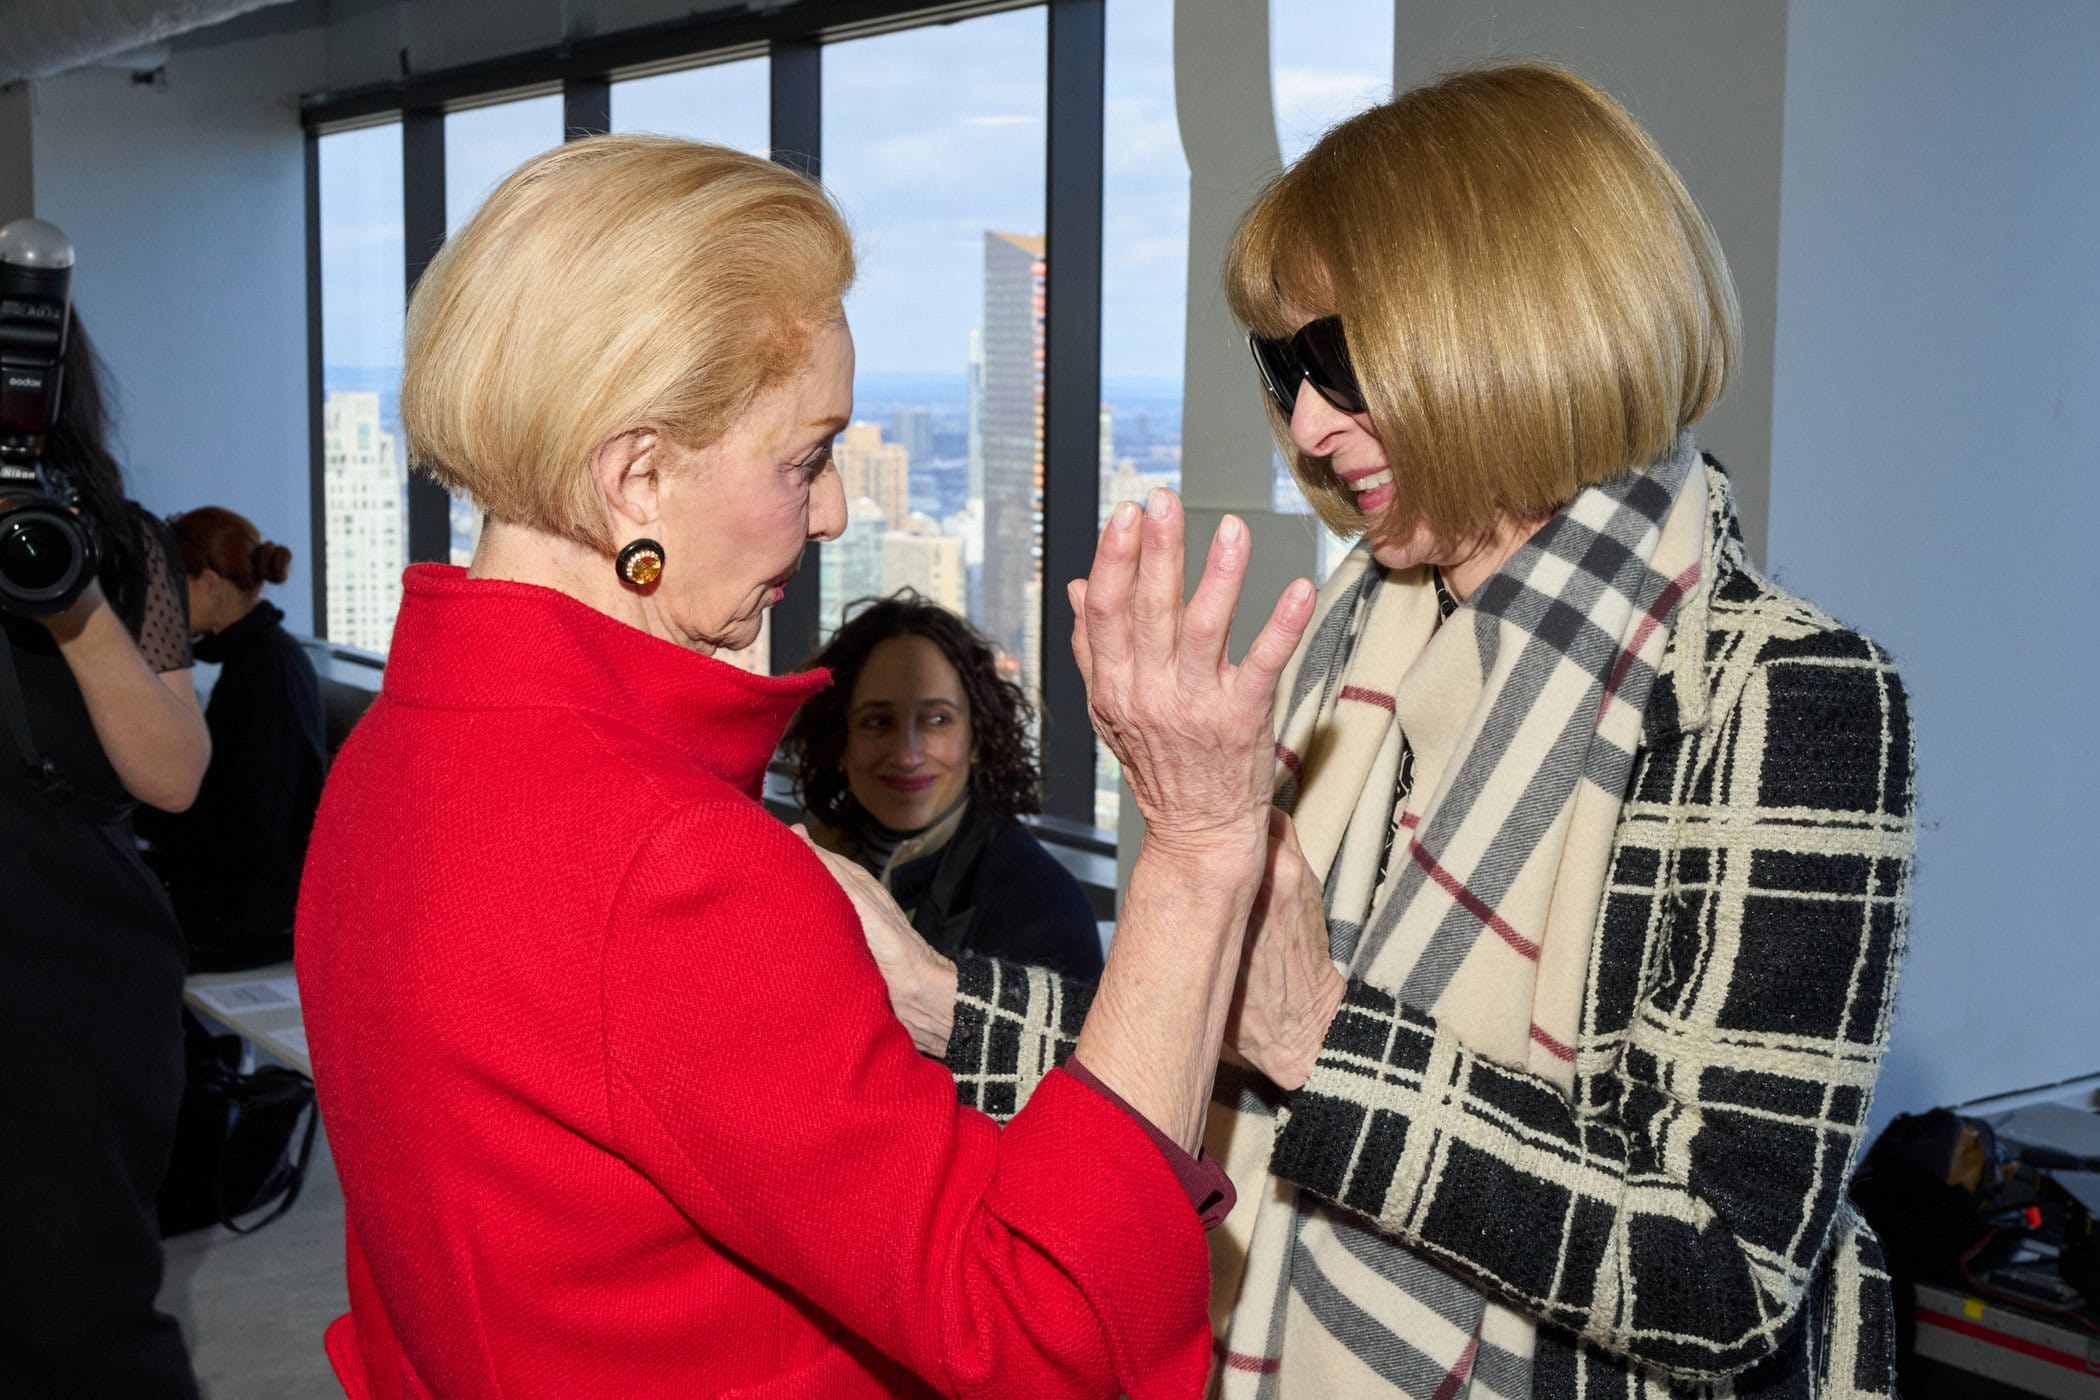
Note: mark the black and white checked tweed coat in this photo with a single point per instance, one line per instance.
(1680, 1227)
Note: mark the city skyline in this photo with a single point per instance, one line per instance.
(365, 504)
(932, 135)
(933, 142)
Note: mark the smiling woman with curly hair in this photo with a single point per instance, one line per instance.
(915, 763)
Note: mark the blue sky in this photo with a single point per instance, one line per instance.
(931, 136)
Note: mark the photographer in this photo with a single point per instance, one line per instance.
(91, 960)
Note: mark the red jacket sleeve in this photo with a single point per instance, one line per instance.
(755, 1072)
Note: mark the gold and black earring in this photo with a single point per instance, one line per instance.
(640, 564)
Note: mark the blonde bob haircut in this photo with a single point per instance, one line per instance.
(612, 283)
(1532, 301)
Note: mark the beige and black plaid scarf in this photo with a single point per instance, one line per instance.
(1521, 713)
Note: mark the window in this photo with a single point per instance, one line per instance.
(1144, 281)
(934, 144)
(482, 146)
(1318, 82)
(364, 477)
(726, 103)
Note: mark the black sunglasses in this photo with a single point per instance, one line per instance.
(1317, 355)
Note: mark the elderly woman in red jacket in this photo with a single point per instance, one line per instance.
(615, 1088)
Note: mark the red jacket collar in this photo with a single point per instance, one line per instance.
(487, 644)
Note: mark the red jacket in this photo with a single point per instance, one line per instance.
(613, 1085)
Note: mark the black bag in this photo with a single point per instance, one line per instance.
(233, 1139)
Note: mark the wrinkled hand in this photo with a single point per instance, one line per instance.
(1193, 730)
(921, 982)
(1288, 989)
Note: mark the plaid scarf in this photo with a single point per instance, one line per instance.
(1520, 716)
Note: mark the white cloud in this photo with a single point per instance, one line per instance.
(1142, 136)
(1329, 59)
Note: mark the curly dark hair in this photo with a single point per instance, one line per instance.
(1005, 778)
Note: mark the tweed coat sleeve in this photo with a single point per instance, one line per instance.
(1013, 1025)
(1676, 1211)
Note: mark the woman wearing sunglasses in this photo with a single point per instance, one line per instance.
(1590, 864)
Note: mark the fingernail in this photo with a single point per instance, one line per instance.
(1300, 591)
(1125, 516)
(1156, 503)
(1230, 529)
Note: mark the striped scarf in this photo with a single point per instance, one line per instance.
(1520, 716)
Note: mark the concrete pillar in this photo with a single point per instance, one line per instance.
(1228, 134)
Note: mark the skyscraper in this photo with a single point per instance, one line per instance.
(365, 494)
(878, 470)
(1011, 427)
(911, 428)
(919, 556)
(851, 566)
(976, 431)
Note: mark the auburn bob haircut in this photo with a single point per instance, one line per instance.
(1532, 302)
(611, 283)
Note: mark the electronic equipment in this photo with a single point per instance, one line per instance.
(48, 552)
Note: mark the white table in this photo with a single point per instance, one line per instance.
(260, 1006)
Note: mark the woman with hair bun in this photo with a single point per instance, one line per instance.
(232, 861)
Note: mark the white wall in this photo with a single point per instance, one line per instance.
(185, 202)
(1936, 446)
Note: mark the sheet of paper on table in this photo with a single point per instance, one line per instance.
(2058, 1125)
(239, 998)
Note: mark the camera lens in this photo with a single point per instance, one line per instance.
(36, 553)
(47, 556)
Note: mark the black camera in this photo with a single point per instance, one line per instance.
(48, 553)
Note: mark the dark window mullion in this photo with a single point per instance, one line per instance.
(796, 77)
(586, 107)
(1071, 388)
(422, 234)
(316, 436)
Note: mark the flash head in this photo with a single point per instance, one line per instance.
(32, 243)
(36, 284)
